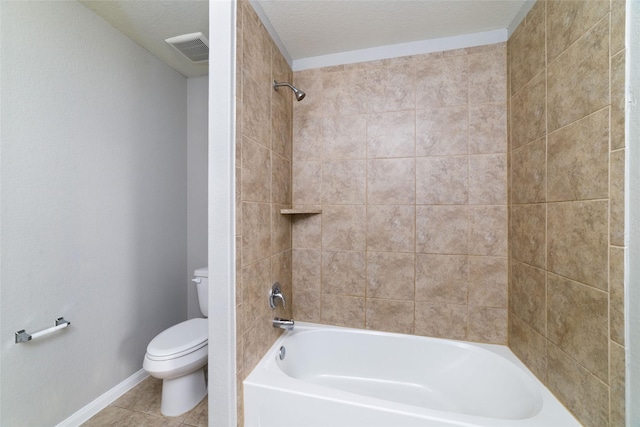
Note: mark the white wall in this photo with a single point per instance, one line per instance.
(222, 215)
(93, 206)
(197, 161)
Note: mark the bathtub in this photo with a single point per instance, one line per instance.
(328, 376)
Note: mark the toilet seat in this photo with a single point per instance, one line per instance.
(179, 340)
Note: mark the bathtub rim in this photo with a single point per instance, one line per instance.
(267, 375)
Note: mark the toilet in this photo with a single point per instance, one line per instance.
(178, 355)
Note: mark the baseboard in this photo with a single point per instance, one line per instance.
(103, 401)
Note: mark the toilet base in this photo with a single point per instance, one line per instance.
(182, 394)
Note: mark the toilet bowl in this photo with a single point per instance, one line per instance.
(178, 355)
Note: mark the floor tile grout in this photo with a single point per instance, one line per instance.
(141, 406)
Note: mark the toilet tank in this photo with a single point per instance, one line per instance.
(202, 284)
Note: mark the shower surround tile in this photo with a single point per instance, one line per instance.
(488, 230)
(254, 276)
(441, 320)
(529, 173)
(583, 393)
(442, 278)
(280, 179)
(617, 383)
(617, 101)
(527, 48)
(442, 180)
(280, 230)
(529, 112)
(344, 137)
(306, 306)
(578, 319)
(264, 155)
(487, 324)
(390, 275)
(391, 134)
(488, 179)
(618, 24)
(488, 128)
(342, 93)
(529, 345)
(566, 204)
(256, 111)
(307, 134)
(528, 293)
(578, 241)
(344, 273)
(574, 87)
(442, 131)
(442, 82)
(569, 20)
(390, 89)
(256, 232)
(311, 81)
(442, 229)
(616, 297)
(281, 138)
(616, 198)
(488, 282)
(344, 182)
(281, 108)
(391, 181)
(307, 183)
(487, 77)
(342, 310)
(256, 48)
(344, 227)
(390, 228)
(306, 269)
(256, 172)
(527, 234)
(432, 133)
(306, 232)
(390, 315)
(578, 159)
(254, 343)
(281, 265)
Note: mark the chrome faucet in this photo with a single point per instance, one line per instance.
(281, 323)
(276, 294)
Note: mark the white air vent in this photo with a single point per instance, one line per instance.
(194, 46)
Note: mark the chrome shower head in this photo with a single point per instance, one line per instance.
(297, 92)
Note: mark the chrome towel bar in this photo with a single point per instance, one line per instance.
(23, 336)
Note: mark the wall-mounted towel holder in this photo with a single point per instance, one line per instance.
(23, 336)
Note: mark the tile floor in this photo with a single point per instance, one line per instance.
(140, 406)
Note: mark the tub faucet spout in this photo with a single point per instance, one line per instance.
(281, 323)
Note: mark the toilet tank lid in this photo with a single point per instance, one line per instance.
(201, 272)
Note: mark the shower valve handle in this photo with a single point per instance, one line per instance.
(276, 294)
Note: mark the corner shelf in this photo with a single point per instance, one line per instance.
(301, 211)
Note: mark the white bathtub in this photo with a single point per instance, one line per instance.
(332, 376)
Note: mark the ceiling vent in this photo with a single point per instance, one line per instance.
(194, 46)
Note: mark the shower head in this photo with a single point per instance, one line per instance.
(297, 92)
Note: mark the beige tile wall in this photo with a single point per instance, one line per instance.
(263, 187)
(566, 155)
(407, 159)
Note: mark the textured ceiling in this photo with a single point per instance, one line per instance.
(150, 22)
(310, 28)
